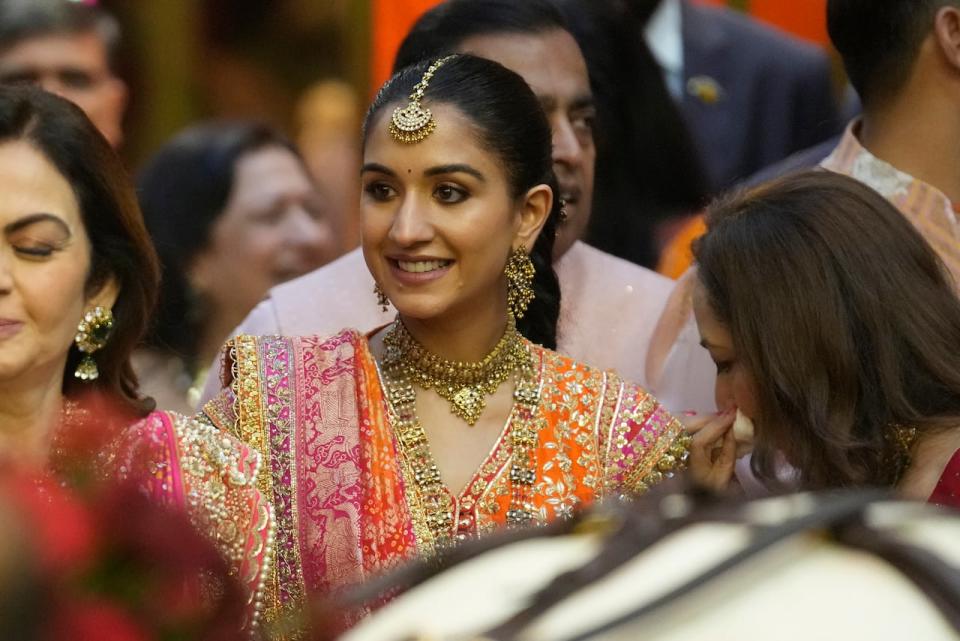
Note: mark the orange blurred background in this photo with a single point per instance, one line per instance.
(392, 19)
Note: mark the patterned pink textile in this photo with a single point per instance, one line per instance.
(928, 208)
(344, 507)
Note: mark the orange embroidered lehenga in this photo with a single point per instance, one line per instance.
(341, 488)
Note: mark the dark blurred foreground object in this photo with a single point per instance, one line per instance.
(850, 565)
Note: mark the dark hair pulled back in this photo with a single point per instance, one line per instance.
(508, 122)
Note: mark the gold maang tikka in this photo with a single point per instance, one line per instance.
(413, 123)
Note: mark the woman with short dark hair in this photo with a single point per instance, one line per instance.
(232, 211)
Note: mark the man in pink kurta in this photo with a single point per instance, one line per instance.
(609, 307)
(904, 63)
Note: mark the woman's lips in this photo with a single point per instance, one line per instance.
(418, 271)
(9, 327)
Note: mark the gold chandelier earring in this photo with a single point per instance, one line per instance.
(93, 332)
(381, 295)
(520, 272)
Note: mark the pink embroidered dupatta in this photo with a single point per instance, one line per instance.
(314, 408)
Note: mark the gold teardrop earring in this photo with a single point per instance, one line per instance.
(382, 299)
(520, 272)
(93, 332)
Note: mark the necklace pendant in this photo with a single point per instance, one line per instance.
(468, 404)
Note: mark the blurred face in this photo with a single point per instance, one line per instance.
(439, 220)
(75, 67)
(44, 262)
(553, 66)
(273, 229)
(734, 387)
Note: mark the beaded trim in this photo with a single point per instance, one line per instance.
(211, 464)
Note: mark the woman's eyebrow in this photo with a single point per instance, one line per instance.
(454, 169)
(31, 219)
(376, 167)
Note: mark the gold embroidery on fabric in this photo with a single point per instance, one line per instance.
(280, 458)
(661, 458)
(217, 484)
(249, 425)
(612, 393)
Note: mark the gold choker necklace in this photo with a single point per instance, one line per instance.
(464, 385)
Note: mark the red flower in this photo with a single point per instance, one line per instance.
(94, 621)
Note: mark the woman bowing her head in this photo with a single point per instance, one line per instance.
(457, 418)
(834, 327)
(78, 280)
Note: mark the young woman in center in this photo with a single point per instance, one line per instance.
(457, 418)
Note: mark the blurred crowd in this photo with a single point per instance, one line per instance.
(573, 252)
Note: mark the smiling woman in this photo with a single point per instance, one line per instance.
(78, 280)
(454, 420)
(222, 200)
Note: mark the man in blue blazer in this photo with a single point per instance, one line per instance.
(751, 94)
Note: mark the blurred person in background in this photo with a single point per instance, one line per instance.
(69, 48)
(610, 306)
(834, 327)
(648, 171)
(903, 58)
(328, 136)
(78, 283)
(751, 95)
(232, 211)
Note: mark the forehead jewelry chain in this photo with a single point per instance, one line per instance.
(464, 385)
(413, 123)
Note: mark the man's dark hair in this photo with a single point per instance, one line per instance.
(24, 19)
(442, 29)
(879, 41)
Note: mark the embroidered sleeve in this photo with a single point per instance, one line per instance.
(188, 463)
(643, 442)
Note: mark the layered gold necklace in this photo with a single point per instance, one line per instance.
(464, 386)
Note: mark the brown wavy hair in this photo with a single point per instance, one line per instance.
(844, 316)
(120, 244)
